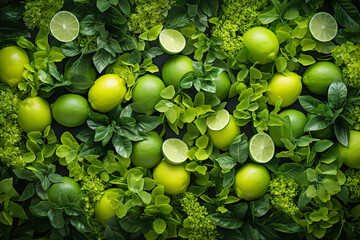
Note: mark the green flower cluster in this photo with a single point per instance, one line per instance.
(282, 195)
(197, 224)
(352, 183)
(94, 188)
(87, 42)
(12, 146)
(355, 116)
(348, 56)
(237, 17)
(148, 14)
(38, 14)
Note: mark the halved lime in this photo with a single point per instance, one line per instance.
(175, 150)
(172, 41)
(261, 148)
(64, 26)
(323, 26)
(218, 120)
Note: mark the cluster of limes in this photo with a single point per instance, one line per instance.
(168, 158)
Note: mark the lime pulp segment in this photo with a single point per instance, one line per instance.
(218, 120)
(64, 26)
(323, 27)
(261, 148)
(172, 41)
(175, 150)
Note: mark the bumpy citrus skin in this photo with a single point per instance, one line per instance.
(262, 44)
(318, 77)
(12, 62)
(103, 208)
(222, 83)
(174, 68)
(288, 87)
(298, 121)
(146, 93)
(107, 92)
(223, 138)
(351, 155)
(34, 114)
(251, 181)
(147, 153)
(174, 178)
(70, 110)
(69, 187)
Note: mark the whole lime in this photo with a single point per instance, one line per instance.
(298, 121)
(70, 110)
(104, 208)
(223, 138)
(107, 92)
(174, 178)
(146, 94)
(68, 188)
(262, 44)
(222, 82)
(318, 77)
(351, 155)
(34, 114)
(12, 64)
(251, 181)
(288, 87)
(147, 153)
(175, 68)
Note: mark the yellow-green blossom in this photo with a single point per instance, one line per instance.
(355, 116)
(352, 183)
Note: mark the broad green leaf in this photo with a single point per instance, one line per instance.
(306, 60)
(290, 170)
(322, 145)
(151, 34)
(159, 226)
(226, 220)
(337, 93)
(168, 92)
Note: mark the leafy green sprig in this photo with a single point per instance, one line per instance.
(117, 129)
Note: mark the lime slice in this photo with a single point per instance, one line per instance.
(175, 150)
(218, 120)
(172, 41)
(64, 26)
(323, 27)
(261, 148)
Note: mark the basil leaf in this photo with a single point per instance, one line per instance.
(103, 5)
(226, 220)
(122, 145)
(147, 123)
(87, 25)
(337, 94)
(229, 178)
(345, 13)
(342, 132)
(70, 49)
(309, 103)
(316, 123)
(290, 170)
(125, 7)
(239, 149)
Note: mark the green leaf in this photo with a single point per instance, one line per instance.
(306, 60)
(147, 123)
(101, 59)
(125, 7)
(342, 132)
(337, 94)
(309, 103)
(291, 14)
(229, 178)
(345, 13)
(6, 218)
(239, 149)
(159, 226)
(269, 16)
(286, 228)
(41, 209)
(168, 92)
(310, 191)
(226, 162)
(281, 64)
(303, 199)
(226, 220)
(290, 170)
(344, 194)
(151, 34)
(322, 145)
(308, 44)
(145, 197)
(316, 123)
(103, 5)
(122, 145)
(27, 193)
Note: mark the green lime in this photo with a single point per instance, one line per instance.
(68, 188)
(64, 26)
(106, 207)
(223, 138)
(175, 150)
(12, 64)
(223, 83)
(219, 120)
(251, 181)
(107, 92)
(174, 178)
(261, 148)
(262, 44)
(175, 68)
(146, 94)
(172, 41)
(288, 87)
(298, 121)
(147, 153)
(351, 155)
(318, 77)
(70, 110)
(323, 27)
(34, 114)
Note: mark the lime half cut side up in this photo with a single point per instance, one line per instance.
(172, 41)
(218, 120)
(64, 26)
(323, 27)
(175, 150)
(261, 148)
